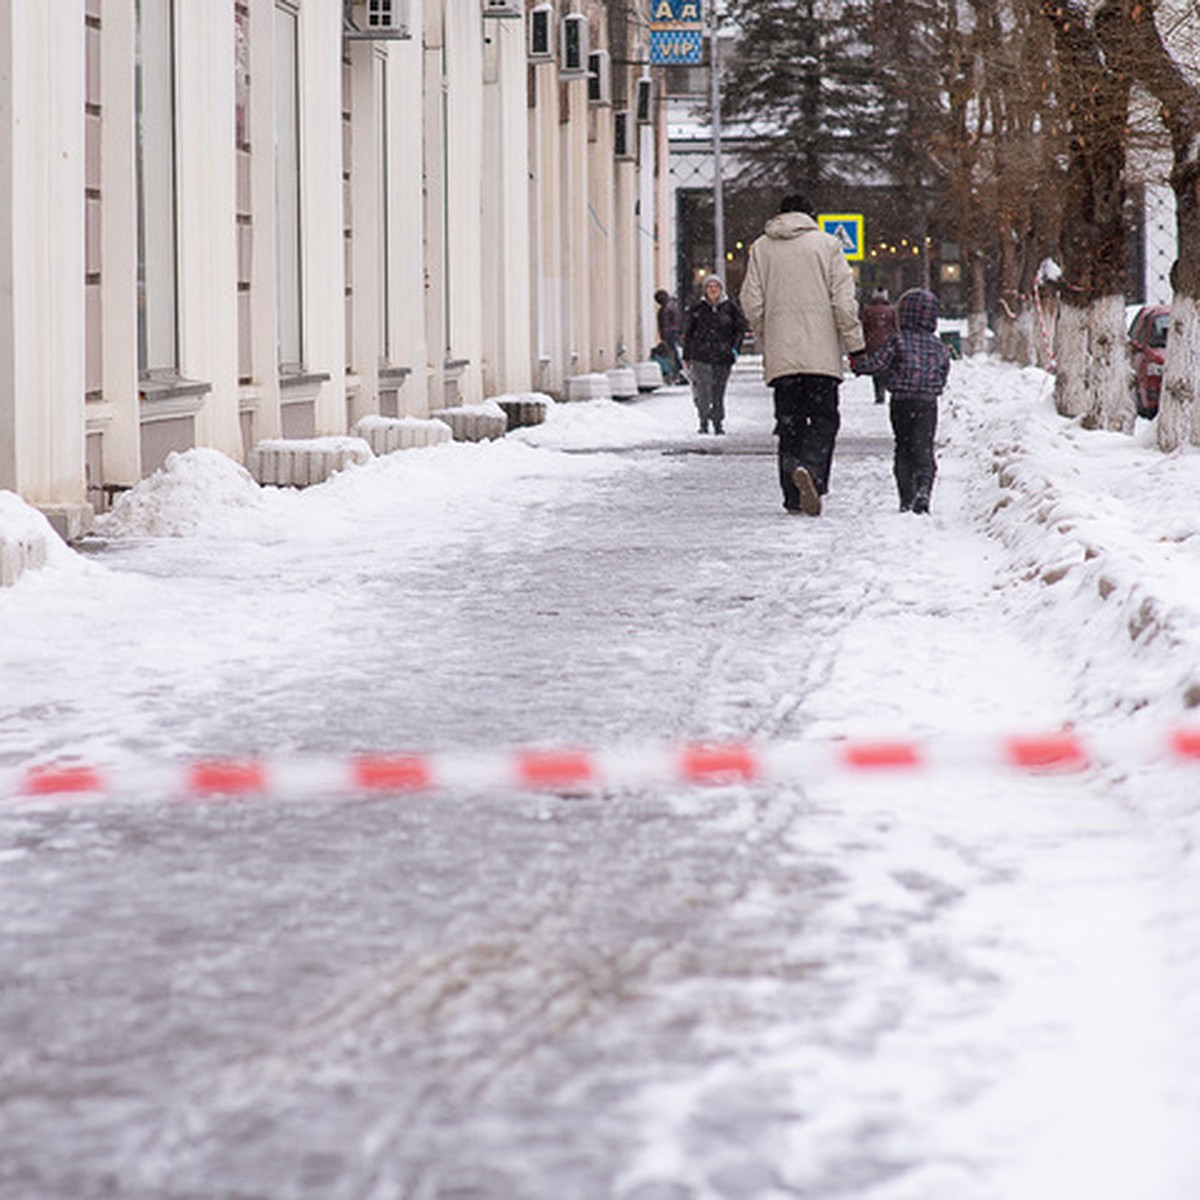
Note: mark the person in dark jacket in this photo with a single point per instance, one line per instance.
(879, 323)
(914, 363)
(670, 327)
(712, 340)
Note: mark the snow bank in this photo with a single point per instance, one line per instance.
(27, 539)
(205, 494)
(1100, 530)
(199, 491)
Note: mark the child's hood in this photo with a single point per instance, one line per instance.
(917, 310)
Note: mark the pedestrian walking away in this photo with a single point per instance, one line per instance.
(915, 363)
(712, 340)
(670, 329)
(799, 299)
(879, 323)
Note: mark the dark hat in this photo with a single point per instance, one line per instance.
(797, 202)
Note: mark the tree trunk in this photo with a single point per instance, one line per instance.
(977, 341)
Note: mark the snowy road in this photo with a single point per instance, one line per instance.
(963, 986)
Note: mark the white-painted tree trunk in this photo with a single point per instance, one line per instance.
(977, 339)
(1018, 339)
(1071, 397)
(1091, 372)
(1178, 410)
(1108, 380)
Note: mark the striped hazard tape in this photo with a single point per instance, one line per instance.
(571, 770)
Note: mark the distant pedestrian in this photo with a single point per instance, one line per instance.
(915, 364)
(879, 323)
(799, 298)
(670, 330)
(712, 340)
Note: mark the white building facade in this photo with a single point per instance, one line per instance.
(225, 221)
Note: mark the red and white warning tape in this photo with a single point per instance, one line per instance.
(567, 770)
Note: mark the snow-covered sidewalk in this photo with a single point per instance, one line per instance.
(976, 984)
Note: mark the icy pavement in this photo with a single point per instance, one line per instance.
(970, 985)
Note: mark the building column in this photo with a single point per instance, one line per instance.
(507, 243)
(464, 189)
(262, 395)
(206, 165)
(601, 225)
(551, 296)
(577, 227)
(366, 248)
(116, 416)
(647, 241)
(322, 238)
(409, 344)
(42, 260)
(628, 312)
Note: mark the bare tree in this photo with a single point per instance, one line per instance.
(1010, 181)
(1091, 380)
(1133, 39)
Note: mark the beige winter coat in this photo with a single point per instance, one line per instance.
(799, 298)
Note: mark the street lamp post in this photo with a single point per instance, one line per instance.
(718, 165)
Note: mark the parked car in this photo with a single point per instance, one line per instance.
(1147, 352)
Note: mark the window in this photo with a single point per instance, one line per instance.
(539, 32)
(384, 14)
(599, 78)
(645, 101)
(622, 142)
(573, 61)
(157, 290)
(287, 187)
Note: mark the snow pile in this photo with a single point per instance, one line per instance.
(1094, 524)
(203, 493)
(22, 525)
(197, 492)
(607, 424)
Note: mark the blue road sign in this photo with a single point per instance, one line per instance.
(848, 229)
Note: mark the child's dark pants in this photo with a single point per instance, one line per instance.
(914, 423)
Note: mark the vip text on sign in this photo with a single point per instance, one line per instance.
(676, 47)
(848, 229)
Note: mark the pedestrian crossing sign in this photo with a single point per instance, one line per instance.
(848, 229)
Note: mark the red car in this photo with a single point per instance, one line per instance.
(1147, 352)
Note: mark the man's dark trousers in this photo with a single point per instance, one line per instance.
(806, 422)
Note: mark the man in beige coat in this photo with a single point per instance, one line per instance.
(799, 298)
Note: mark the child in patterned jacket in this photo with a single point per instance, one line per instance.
(914, 363)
